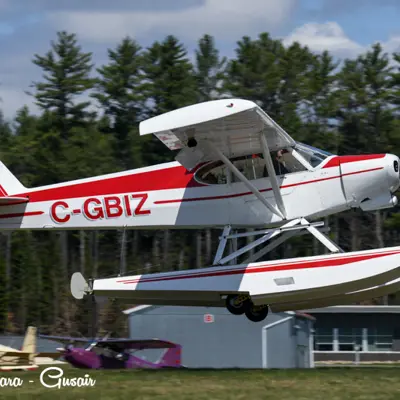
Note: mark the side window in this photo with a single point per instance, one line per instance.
(216, 173)
(252, 167)
(213, 173)
(286, 163)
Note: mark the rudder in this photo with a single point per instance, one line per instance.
(172, 357)
(9, 184)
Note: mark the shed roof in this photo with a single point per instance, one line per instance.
(354, 309)
(145, 308)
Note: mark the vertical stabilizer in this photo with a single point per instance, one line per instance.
(9, 184)
(29, 345)
(172, 357)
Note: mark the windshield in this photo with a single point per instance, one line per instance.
(312, 155)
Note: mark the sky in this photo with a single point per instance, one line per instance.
(344, 27)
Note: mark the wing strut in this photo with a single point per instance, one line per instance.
(272, 175)
(242, 178)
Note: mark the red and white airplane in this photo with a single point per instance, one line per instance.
(236, 168)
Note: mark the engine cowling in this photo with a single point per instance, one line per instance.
(379, 203)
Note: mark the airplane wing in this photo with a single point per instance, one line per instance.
(66, 339)
(135, 344)
(116, 344)
(231, 125)
(220, 130)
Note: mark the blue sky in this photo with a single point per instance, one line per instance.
(345, 27)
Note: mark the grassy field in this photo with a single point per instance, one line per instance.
(364, 383)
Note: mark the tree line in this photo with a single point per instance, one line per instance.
(88, 125)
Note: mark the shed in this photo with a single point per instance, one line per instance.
(211, 337)
(370, 333)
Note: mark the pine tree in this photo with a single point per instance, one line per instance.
(6, 138)
(67, 75)
(170, 84)
(255, 73)
(395, 77)
(209, 69)
(363, 102)
(318, 104)
(169, 75)
(118, 91)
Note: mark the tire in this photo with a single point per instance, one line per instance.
(235, 307)
(257, 313)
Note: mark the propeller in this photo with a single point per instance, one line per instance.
(80, 288)
(95, 341)
(66, 347)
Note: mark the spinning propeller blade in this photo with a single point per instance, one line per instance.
(95, 341)
(78, 285)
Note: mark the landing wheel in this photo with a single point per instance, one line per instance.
(257, 313)
(237, 304)
(122, 357)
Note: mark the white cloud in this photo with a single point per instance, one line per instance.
(223, 18)
(12, 99)
(330, 36)
(327, 36)
(392, 45)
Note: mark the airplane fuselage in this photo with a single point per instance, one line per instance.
(81, 358)
(169, 196)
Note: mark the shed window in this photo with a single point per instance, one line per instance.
(323, 339)
(349, 338)
(380, 339)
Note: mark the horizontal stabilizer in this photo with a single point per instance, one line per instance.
(20, 354)
(48, 354)
(10, 201)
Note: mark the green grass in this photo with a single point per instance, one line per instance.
(365, 383)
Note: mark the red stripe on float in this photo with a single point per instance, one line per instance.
(265, 268)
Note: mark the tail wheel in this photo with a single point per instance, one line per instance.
(257, 313)
(237, 304)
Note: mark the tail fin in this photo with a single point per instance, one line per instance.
(9, 184)
(29, 345)
(172, 357)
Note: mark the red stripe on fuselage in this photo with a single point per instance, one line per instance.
(162, 179)
(3, 193)
(229, 196)
(233, 195)
(266, 268)
(21, 214)
(336, 161)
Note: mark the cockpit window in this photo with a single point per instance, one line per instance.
(214, 173)
(311, 154)
(252, 167)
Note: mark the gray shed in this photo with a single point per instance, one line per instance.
(211, 337)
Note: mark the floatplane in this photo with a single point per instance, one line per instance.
(235, 169)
